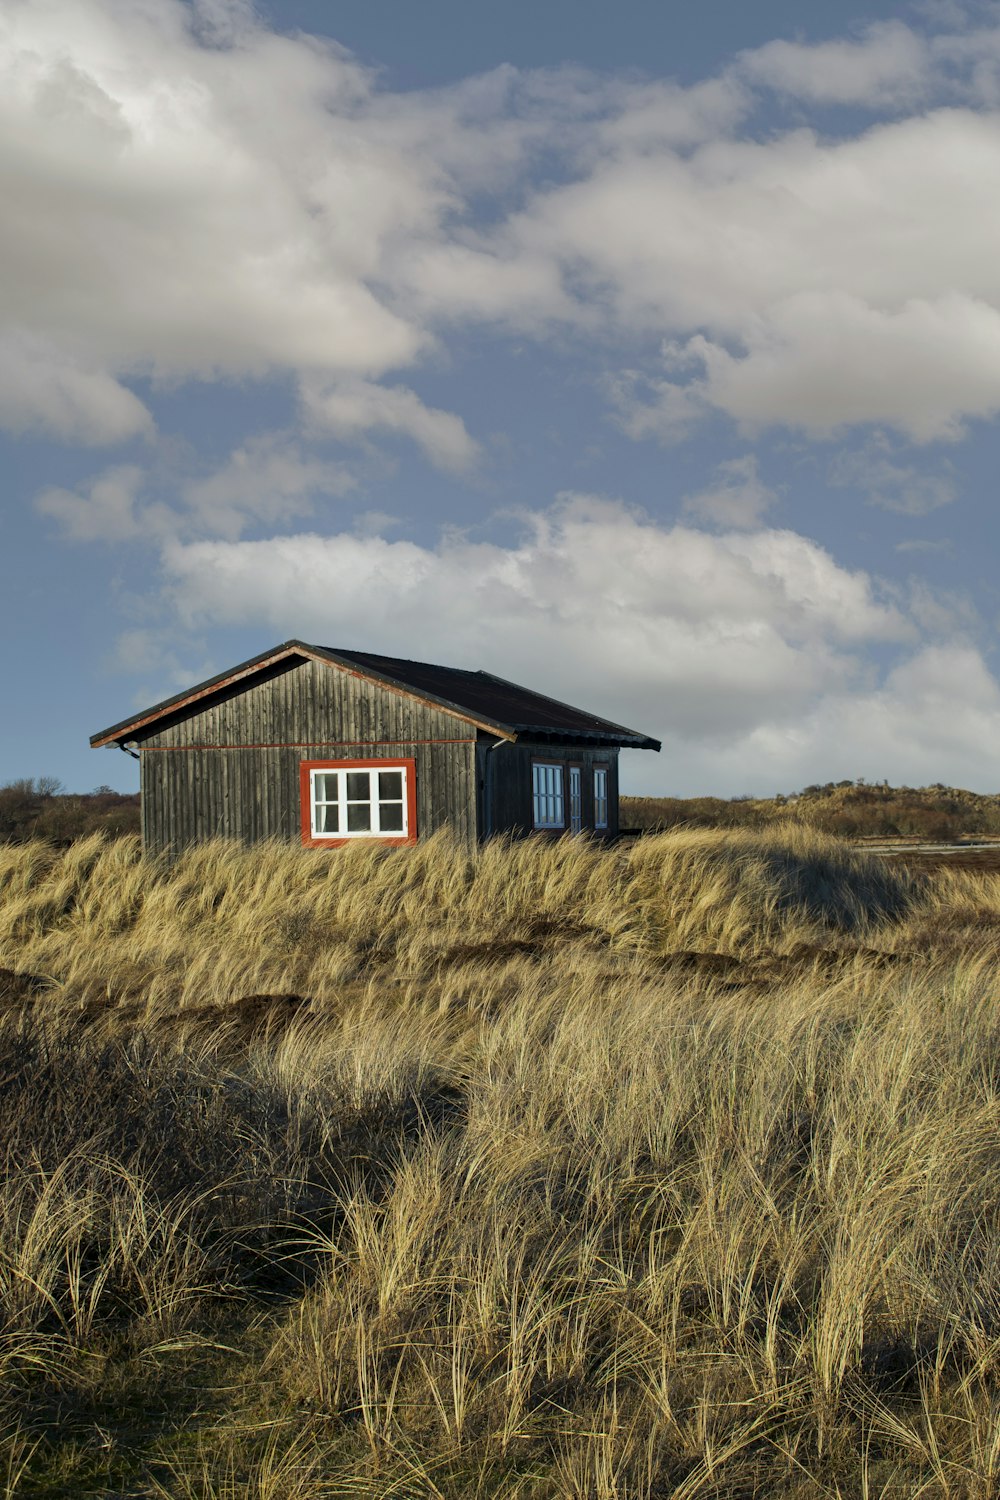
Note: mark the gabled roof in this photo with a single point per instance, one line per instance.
(490, 703)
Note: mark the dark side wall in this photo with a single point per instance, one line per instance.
(232, 768)
(505, 783)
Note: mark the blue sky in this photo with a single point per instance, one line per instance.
(648, 355)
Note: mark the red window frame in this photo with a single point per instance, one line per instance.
(306, 767)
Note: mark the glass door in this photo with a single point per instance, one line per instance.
(575, 799)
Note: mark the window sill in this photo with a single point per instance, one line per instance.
(384, 840)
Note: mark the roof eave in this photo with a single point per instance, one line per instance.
(627, 739)
(118, 733)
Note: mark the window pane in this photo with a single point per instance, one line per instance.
(390, 786)
(390, 817)
(547, 796)
(366, 800)
(601, 798)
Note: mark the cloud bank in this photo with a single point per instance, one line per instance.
(748, 652)
(190, 195)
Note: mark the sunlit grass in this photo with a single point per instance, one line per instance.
(554, 1171)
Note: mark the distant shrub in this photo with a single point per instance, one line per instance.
(655, 814)
(39, 808)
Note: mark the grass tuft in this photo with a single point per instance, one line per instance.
(556, 1171)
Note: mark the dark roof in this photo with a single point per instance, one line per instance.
(490, 702)
(480, 693)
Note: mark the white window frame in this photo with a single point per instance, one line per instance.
(548, 804)
(602, 778)
(373, 802)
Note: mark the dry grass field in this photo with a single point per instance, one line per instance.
(668, 1170)
(850, 809)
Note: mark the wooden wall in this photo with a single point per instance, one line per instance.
(232, 768)
(505, 782)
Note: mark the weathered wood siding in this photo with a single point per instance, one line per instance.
(232, 768)
(505, 784)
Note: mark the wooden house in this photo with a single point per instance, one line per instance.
(329, 746)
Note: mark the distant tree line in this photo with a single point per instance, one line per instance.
(39, 808)
(852, 809)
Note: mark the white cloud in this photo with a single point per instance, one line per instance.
(719, 235)
(106, 511)
(908, 489)
(648, 407)
(972, 54)
(193, 207)
(157, 669)
(672, 629)
(798, 281)
(945, 615)
(43, 387)
(351, 409)
(159, 221)
(738, 497)
(662, 115)
(888, 64)
(823, 361)
(934, 718)
(268, 479)
(753, 655)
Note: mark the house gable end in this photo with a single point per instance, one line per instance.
(305, 704)
(148, 726)
(231, 765)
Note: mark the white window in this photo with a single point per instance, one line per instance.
(359, 803)
(575, 799)
(600, 796)
(547, 787)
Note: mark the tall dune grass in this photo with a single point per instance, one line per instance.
(223, 922)
(668, 1170)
